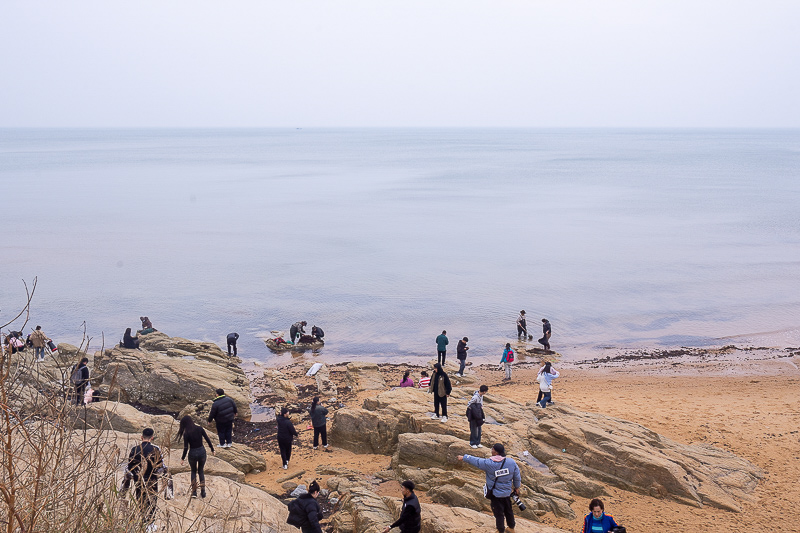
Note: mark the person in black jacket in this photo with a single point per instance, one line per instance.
(441, 388)
(129, 341)
(193, 436)
(410, 515)
(143, 462)
(83, 375)
(232, 338)
(224, 411)
(311, 508)
(461, 355)
(286, 432)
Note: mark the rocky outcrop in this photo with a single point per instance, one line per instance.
(325, 386)
(213, 467)
(280, 384)
(364, 376)
(169, 373)
(126, 419)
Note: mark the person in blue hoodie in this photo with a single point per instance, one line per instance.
(598, 521)
(502, 480)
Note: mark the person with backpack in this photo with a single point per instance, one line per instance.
(39, 341)
(476, 417)
(224, 411)
(231, 339)
(441, 388)
(507, 360)
(319, 422)
(143, 462)
(410, 520)
(441, 347)
(305, 512)
(193, 436)
(286, 432)
(461, 355)
(503, 479)
(545, 379)
(597, 521)
(79, 379)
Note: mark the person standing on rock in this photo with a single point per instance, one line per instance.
(232, 338)
(476, 417)
(502, 480)
(80, 378)
(193, 436)
(39, 340)
(545, 379)
(441, 347)
(320, 423)
(522, 325)
(461, 355)
(286, 432)
(547, 330)
(297, 328)
(441, 388)
(410, 520)
(143, 461)
(223, 410)
(507, 361)
(598, 521)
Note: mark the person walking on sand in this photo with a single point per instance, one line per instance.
(507, 360)
(424, 380)
(143, 461)
(407, 381)
(441, 388)
(545, 379)
(476, 417)
(539, 373)
(461, 355)
(597, 521)
(320, 423)
(502, 480)
(410, 520)
(224, 411)
(39, 341)
(286, 432)
(193, 436)
(441, 347)
(80, 378)
(522, 325)
(231, 339)
(546, 332)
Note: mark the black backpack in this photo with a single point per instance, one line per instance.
(297, 514)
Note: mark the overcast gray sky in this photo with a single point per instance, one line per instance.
(400, 63)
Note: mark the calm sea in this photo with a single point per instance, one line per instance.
(386, 237)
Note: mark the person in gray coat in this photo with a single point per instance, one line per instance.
(502, 480)
(319, 422)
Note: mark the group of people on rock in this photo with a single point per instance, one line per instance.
(522, 330)
(297, 333)
(13, 343)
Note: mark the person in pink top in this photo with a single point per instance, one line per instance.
(407, 381)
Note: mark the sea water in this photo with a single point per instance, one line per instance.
(386, 237)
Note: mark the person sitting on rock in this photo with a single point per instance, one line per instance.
(424, 381)
(297, 327)
(410, 520)
(147, 326)
(597, 521)
(317, 333)
(407, 381)
(128, 341)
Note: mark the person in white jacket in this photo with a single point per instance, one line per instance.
(545, 379)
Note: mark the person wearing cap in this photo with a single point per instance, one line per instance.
(502, 480)
(311, 508)
(143, 461)
(461, 355)
(410, 520)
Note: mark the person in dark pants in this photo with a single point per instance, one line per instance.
(143, 461)
(286, 432)
(410, 520)
(522, 325)
(129, 341)
(80, 378)
(461, 355)
(232, 338)
(311, 509)
(317, 333)
(441, 388)
(193, 436)
(297, 327)
(546, 332)
(223, 410)
(476, 417)
(441, 347)
(319, 422)
(502, 480)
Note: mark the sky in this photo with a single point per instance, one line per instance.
(371, 63)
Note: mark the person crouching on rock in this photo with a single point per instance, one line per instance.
(441, 388)
(410, 520)
(193, 436)
(286, 432)
(317, 333)
(597, 521)
(319, 422)
(223, 410)
(297, 328)
(502, 480)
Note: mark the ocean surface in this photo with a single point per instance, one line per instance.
(385, 237)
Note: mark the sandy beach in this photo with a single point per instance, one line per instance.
(742, 401)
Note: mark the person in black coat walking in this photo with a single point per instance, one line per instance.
(441, 388)
(311, 508)
(286, 432)
(223, 410)
(410, 520)
(193, 436)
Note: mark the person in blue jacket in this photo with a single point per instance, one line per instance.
(598, 521)
(502, 480)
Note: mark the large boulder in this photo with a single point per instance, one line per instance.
(364, 376)
(126, 419)
(169, 382)
(280, 384)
